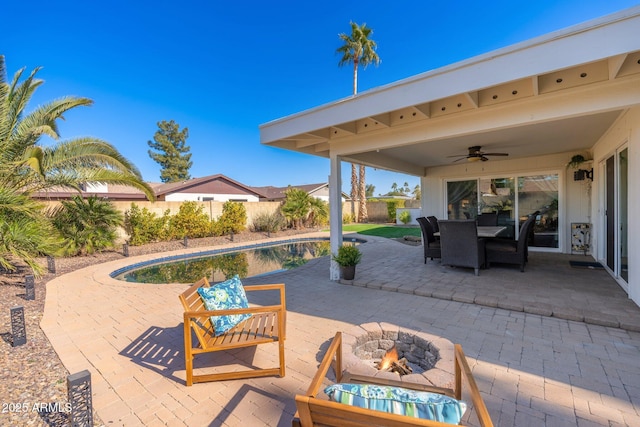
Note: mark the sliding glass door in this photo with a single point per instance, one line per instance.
(513, 198)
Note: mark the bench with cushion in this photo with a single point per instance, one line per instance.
(351, 400)
(221, 319)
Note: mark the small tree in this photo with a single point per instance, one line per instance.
(171, 153)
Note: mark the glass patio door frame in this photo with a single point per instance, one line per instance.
(617, 206)
(497, 175)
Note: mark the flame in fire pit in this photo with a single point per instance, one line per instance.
(388, 359)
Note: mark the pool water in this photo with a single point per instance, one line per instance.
(221, 266)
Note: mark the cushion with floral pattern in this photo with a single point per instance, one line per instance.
(400, 401)
(223, 296)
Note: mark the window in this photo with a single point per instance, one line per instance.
(536, 194)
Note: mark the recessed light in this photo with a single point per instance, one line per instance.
(459, 104)
(583, 75)
(558, 80)
(443, 108)
(495, 96)
(401, 117)
(515, 92)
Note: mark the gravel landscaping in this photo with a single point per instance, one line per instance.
(33, 388)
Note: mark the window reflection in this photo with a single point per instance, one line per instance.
(512, 203)
(540, 194)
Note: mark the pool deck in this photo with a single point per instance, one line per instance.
(554, 346)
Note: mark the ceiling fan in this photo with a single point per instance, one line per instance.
(476, 154)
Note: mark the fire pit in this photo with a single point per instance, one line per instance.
(387, 350)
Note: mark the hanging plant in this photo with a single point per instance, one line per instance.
(576, 161)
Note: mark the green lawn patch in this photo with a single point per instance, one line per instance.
(382, 230)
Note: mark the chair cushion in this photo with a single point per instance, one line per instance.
(502, 245)
(400, 401)
(223, 296)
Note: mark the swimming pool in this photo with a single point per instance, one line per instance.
(218, 264)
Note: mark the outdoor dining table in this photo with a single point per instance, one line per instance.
(485, 231)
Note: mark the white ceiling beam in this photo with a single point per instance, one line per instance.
(615, 63)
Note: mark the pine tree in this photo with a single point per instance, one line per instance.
(171, 153)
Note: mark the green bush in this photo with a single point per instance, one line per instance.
(347, 218)
(87, 225)
(190, 221)
(405, 217)
(268, 222)
(143, 226)
(391, 208)
(233, 218)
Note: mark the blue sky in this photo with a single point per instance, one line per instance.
(223, 68)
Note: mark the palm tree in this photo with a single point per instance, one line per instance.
(27, 166)
(358, 49)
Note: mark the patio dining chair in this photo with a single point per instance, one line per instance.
(460, 246)
(511, 251)
(430, 244)
(488, 219)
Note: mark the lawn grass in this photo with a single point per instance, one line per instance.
(383, 230)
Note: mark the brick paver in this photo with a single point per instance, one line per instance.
(534, 363)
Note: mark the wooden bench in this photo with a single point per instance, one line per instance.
(313, 411)
(267, 324)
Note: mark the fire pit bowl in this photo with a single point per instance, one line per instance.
(430, 356)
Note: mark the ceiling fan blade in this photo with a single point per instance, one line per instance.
(495, 154)
(461, 158)
(459, 155)
(484, 159)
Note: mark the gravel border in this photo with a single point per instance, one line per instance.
(32, 376)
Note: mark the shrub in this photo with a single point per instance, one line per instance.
(143, 226)
(347, 219)
(268, 222)
(190, 221)
(405, 217)
(391, 208)
(87, 225)
(233, 218)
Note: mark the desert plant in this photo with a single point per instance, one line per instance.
(87, 225)
(268, 222)
(347, 255)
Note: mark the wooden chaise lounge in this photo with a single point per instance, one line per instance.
(266, 325)
(314, 411)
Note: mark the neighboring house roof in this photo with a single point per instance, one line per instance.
(278, 193)
(212, 184)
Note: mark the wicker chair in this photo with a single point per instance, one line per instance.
(430, 244)
(460, 245)
(488, 219)
(434, 223)
(511, 251)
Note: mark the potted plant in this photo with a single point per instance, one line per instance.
(347, 258)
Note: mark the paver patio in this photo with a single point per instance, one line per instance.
(534, 364)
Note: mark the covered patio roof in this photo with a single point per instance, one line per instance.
(552, 94)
